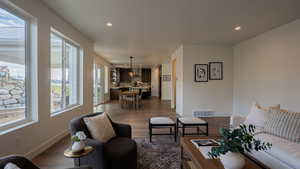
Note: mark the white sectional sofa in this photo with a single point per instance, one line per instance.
(284, 154)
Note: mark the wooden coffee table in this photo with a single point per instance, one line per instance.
(198, 161)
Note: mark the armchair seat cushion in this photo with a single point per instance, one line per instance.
(121, 152)
(119, 147)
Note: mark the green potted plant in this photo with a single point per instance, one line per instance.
(78, 144)
(234, 142)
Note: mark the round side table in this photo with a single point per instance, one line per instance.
(69, 153)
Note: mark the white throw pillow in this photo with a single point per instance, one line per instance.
(258, 116)
(11, 166)
(284, 124)
(100, 127)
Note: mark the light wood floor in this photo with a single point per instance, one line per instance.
(53, 158)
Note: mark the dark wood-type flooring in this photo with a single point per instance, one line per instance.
(53, 157)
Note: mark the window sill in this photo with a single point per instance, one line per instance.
(15, 126)
(66, 110)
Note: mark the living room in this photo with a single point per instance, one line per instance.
(49, 52)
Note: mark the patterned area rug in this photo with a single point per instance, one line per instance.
(162, 153)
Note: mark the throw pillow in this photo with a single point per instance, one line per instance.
(284, 124)
(259, 115)
(100, 127)
(11, 166)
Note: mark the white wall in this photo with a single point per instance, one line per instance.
(267, 69)
(166, 86)
(178, 55)
(216, 95)
(36, 137)
(155, 81)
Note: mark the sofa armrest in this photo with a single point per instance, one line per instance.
(95, 159)
(236, 120)
(122, 130)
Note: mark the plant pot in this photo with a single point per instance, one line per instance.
(78, 146)
(232, 160)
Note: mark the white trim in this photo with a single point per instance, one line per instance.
(65, 38)
(45, 145)
(29, 74)
(66, 109)
(10, 127)
(106, 79)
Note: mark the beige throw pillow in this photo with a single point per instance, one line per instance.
(100, 127)
(259, 115)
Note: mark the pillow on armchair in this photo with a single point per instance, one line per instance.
(100, 127)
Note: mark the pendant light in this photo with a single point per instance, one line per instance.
(131, 69)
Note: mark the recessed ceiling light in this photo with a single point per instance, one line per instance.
(109, 24)
(237, 28)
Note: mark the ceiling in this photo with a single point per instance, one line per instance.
(150, 30)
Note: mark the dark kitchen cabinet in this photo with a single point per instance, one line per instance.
(124, 75)
(146, 75)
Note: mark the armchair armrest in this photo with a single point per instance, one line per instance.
(81, 167)
(20, 161)
(95, 159)
(236, 120)
(122, 130)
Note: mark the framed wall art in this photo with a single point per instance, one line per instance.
(201, 72)
(166, 78)
(215, 70)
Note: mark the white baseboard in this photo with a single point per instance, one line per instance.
(45, 145)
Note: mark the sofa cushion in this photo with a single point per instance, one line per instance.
(284, 124)
(100, 127)
(282, 149)
(259, 115)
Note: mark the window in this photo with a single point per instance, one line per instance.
(98, 87)
(64, 73)
(14, 69)
(106, 79)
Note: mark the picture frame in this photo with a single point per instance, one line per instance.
(166, 78)
(201, 72)
(215, 70)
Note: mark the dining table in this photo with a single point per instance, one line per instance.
(129, 98)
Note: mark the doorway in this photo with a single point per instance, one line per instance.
(174, 79)
(98, 85)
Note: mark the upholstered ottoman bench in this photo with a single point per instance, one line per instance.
(162, 122)
(192, 122)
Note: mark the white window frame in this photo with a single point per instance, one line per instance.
(97, 80)
(106, 79)
(78, 70)
(30, 75)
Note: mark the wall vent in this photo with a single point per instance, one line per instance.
(203, 113)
